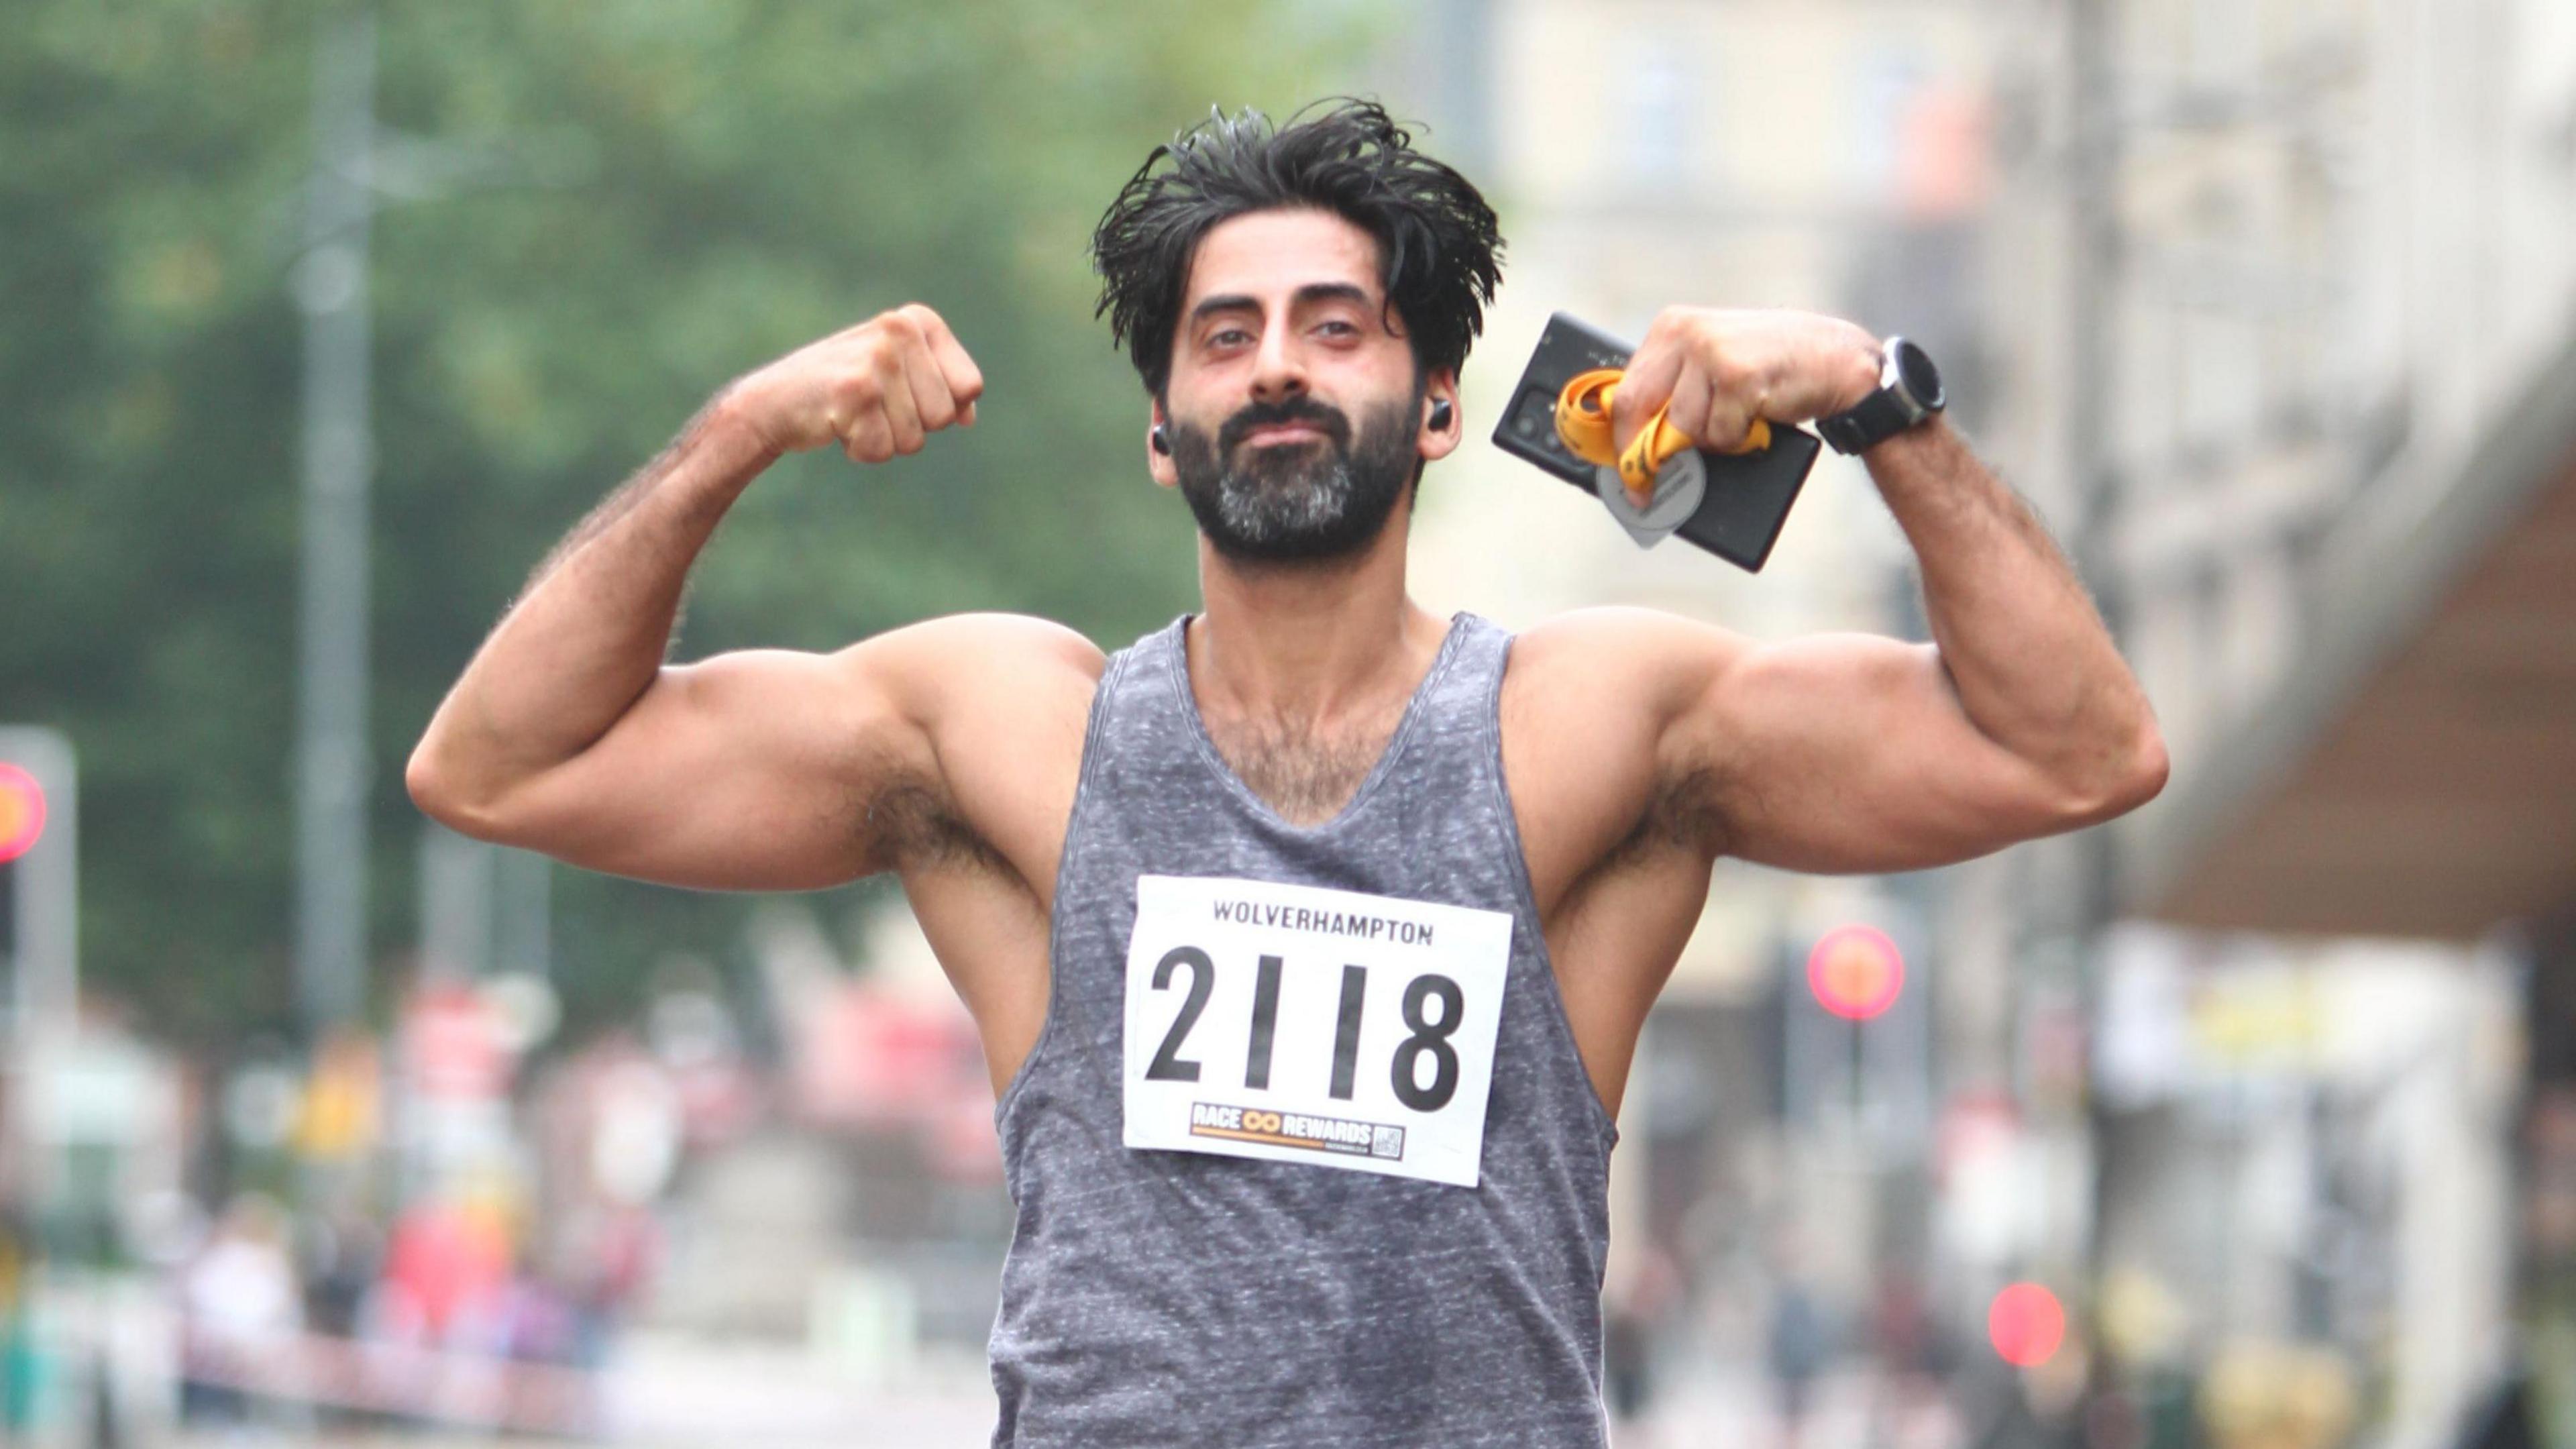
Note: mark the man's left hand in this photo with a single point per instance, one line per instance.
(1721, 369)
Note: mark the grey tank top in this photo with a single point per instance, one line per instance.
(1170, 1297)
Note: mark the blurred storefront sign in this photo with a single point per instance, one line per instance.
(453, 1044)
(2182, 1013)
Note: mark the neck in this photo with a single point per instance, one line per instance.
(1310, 644)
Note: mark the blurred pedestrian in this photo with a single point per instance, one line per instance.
(446, 1279)
(242, 1313)
(1799, 1345)
(17, 1341)
(1912, 1360)
(1634, 1315)
(343, 1252)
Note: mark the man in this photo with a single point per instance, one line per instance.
(1310, 937)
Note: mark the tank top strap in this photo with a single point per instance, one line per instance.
(1458, 708)
(1141, 738)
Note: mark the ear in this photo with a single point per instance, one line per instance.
(1436, 444)
(1157, 462)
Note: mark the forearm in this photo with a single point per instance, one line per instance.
(2032, 663)
(589, 633)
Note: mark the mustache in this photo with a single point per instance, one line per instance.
(1323, 417)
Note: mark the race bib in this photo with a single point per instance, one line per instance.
(1296, 1024)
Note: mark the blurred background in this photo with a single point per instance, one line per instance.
(2247, 1123)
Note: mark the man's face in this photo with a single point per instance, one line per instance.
(1294, 413)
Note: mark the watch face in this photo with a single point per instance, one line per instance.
(1914, 369)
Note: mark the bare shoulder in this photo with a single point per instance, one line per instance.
(1589, 749)
(1616, 666)
(966, 652)
(1002, 701)
(966, 678)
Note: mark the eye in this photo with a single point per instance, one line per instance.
(1339, 327)
(1226, 337)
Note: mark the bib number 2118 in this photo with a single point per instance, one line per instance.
(1428, 1038)
(1323, 1027)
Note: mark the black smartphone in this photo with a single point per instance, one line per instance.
(1748, 494)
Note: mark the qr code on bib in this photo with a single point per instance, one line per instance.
(1388, 1142)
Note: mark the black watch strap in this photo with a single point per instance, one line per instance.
(1873, 419)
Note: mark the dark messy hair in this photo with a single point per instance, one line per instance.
(1439, 252)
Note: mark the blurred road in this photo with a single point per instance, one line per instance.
(697, 1394)
(758, 1399)
(1734, 1406)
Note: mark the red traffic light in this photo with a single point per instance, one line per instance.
(2026, 1324)
(1855, 972)
(22, 812)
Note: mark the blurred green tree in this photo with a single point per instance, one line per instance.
(698, 188)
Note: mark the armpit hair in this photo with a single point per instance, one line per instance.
(910, 827)
(1683, 816)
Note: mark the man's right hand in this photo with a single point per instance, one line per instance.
(876, 389)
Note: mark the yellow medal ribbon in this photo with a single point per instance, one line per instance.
(1583, 422)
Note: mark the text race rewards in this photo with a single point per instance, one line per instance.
(1295, 1024)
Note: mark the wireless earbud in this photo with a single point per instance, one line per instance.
(1161, 440)
(1439, 414)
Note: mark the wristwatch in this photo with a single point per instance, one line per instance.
(1909, 391)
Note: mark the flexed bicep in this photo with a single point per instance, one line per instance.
(1851, 752)
(750, 770)
(772, 769)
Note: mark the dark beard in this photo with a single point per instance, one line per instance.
(1305, 502)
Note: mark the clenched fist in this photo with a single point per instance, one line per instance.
(876, 389)
(1721, 370)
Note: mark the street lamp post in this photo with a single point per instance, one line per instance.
(359, 168)
(333, 770)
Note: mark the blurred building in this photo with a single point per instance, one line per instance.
(2266, 306)
(2299, 349)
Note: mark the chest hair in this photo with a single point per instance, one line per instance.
(1304, 777)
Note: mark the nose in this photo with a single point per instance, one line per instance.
(1279, 369)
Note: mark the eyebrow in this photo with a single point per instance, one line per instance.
(1310, 293)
